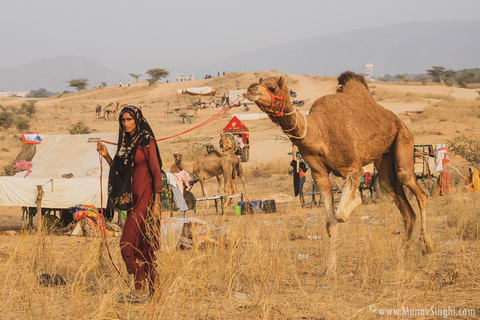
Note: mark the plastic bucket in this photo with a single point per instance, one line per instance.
(237, 210)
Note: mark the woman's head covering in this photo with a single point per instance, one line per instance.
(120, 177)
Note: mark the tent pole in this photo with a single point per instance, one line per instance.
(39, 207)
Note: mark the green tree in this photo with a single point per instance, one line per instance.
(40, 93)
(79, 84)
(156, 75)
(437, 73)
(401, 77)
(135, 76)
(467, 148)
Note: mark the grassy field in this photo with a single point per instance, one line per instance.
(276, 269)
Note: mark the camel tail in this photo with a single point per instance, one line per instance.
(347, 76)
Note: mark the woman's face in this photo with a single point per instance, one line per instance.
(128, 123)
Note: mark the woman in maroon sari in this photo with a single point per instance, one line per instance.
(135, 184)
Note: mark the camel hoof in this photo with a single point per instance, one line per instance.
(427, 244)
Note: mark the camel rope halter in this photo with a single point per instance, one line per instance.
(296, 123)
(280, 111)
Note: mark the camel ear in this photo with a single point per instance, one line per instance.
(281, 81)
(260, 81)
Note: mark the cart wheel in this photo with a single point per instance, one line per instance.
(190, 200)
(187, 120)
(245, 154)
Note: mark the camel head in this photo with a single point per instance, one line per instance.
(270, 95)
(178, 157)
(210, 148)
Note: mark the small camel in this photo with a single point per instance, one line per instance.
(178, 165)
(212, 165)
(98, 111)
(111, 112)
(342, 133)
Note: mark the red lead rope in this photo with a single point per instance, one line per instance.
(104, 229)
(214, 117)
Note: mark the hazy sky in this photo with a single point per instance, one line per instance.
(134, 36)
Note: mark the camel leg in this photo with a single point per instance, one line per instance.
(404, 163)
(219, 182)
(202, 185)
(325, 188)
(350, 198)
(389, 181)
(244, 187)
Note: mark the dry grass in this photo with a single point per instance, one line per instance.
(277, 269)
(265, 275)
(407, 97)
(460, 110)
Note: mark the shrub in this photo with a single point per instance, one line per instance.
(28, 108)
(6, 119)
(22, 124)
(80, 128)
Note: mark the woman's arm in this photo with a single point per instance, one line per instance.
(104, 152)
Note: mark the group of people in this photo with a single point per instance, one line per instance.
(443, 187)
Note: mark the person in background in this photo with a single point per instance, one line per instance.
(443, 184)
(239, 144)
(135, 184)
(472, 183)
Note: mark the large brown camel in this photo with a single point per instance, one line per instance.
(342, 133)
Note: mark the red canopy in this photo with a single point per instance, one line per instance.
(235, 125)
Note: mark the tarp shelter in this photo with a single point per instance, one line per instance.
(57, 156)
(236, 126)
(201, 91)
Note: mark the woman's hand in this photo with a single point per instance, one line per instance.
(102, 150)
(157, 207)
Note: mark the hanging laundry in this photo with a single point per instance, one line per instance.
(441, 157)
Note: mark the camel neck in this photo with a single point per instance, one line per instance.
(293, 124)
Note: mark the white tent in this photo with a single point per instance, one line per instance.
(55, 156)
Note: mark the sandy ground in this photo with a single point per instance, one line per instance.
(268, 143)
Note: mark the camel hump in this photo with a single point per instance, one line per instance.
(215, 152)
(347, 76)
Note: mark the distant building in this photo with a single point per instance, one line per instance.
(368, 70)
(182, 77)
(21, 94)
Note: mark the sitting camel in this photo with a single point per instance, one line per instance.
(178, 165)
(342, 133)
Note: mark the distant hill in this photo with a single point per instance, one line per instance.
(53, 74)
(393, 49)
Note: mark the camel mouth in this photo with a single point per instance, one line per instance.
(252, 93)
(253, 97)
